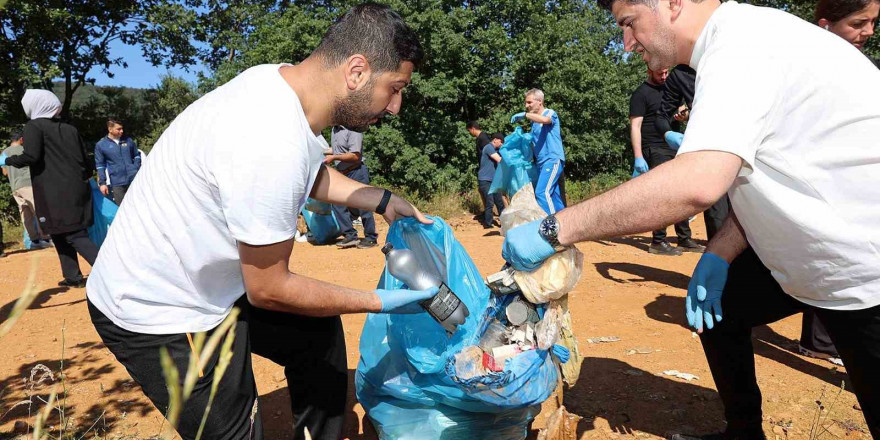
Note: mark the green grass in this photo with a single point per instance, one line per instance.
(12, 235)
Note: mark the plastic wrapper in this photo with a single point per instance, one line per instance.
(104, 211)
(321, 220)
(571, 370)
(516, 168)
(548, 329)
(407, 380)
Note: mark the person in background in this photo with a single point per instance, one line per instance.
(348, 155)
(650, 151)
(116, 155)
(549, 153)
(489, 159)
(482, 139)
(23, 193)
(60, 171)
(852, 20)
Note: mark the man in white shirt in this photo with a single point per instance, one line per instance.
(206, 222)
(792, 140)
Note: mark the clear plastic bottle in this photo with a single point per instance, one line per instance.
(445, 306)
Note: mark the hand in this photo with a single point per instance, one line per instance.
(517, 117)
(683, 114)
(404, 300)
(398, 208)
(328, 160)
(3, 158)
(640, 167)
(673, 139)
(524, 248)
(704, 291)
(561, 353)
(104, 189)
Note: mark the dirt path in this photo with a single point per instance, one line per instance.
(624, 292)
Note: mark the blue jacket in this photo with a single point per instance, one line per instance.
(121, 160)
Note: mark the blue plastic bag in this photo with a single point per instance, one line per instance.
(516, 167)
(406, 378)
(319, 216)
(104, 211)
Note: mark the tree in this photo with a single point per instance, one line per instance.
(163, 104)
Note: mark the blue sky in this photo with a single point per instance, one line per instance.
(140, 73)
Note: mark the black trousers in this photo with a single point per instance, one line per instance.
(490, 201)
(312, 351)
(715, 216)
(752, 297)
(655, 156)
(118, 193)
(67, 245)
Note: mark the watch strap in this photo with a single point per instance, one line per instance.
(386, 196)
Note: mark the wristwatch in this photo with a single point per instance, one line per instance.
(549, 230)
(386, 196)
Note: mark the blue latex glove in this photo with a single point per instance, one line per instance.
(561, 353)
(704, 291)
(404, 300)
(517, 117)
(673, 139)
(3, 158)
(640, 167)
(524, 248)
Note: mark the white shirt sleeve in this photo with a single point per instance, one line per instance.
(261, 190)
(735, 104)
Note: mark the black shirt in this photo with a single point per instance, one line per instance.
(645, 102)
(678, 89)
(482, 141)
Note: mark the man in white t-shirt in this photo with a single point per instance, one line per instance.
(206, 221)
(792, 140)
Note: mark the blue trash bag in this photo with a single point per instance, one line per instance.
(516, 167)
(406, 378)
(319, 216)
(104, 211)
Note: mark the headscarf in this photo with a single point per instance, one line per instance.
(40, 104)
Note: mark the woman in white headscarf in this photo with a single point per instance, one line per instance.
(60, 170)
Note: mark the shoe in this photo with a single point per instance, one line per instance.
(833, 358)
(301, 238)
(73, 283)
(485, 226)
(367, 243)
(357, 222)
(348, 242)
(726, 435)
(689, 245)
(40, 244)
(663, 248)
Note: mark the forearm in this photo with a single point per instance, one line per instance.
(670, 193)
(730, 241)
(307, 296)
(537, 117)
(20, 161)
(346, 157)
(333, 187)
(635, 134)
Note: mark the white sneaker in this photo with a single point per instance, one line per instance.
(819, 355)
(300, 238)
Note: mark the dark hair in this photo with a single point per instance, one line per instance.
(836, 10)
(375, 31)
(498, 135)
(111, 122)
(16, 135)
(473, 124)
(606, 4)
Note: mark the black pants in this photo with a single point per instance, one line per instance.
(118, 193)
(814, 336)
(752, 297)
(67, 246)
(655, 156)
(345, 215)
(715, 216)
(489, 201)
(312, 351)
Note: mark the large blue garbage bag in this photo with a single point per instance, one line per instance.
(406, 379)
(323, 227)
(516, 167)
(104, 212)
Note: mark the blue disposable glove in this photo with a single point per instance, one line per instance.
(704, 291)
(524, 248)
(3, 158)
(673, 139)
(640, 167)
(517, 117)
(404, 300)
(561, 353)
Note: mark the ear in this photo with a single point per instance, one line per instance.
(823, 23)
(675, 8)
(357, 71)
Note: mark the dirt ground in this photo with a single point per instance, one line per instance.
(624, 292)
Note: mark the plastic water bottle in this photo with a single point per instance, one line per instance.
(445, 306)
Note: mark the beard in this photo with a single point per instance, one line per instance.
(664, 52)
(353, 111)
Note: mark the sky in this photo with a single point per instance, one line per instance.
(140, 73)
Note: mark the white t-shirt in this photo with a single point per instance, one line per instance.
(801, 107)
(236, 166)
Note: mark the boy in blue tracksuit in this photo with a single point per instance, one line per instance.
(548, 150)
(116, 155)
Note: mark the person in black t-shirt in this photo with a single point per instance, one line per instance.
(482, 139)
(650, 150)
